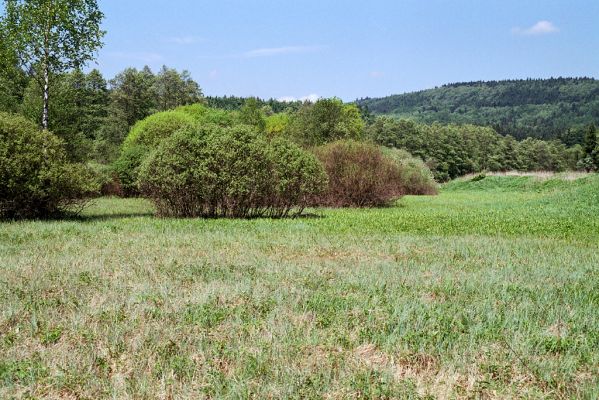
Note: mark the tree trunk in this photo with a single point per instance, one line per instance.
(46, 98)
(46, 67)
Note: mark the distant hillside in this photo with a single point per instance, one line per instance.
(541, 108)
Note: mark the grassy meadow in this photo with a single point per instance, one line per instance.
(489, 290)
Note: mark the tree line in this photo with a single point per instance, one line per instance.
(92, 114)
(558, 108)
(453, 150)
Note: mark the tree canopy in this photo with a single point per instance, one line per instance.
(541, 108)
(51, 37)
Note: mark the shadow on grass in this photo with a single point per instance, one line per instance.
(309, 216)
(107, 217)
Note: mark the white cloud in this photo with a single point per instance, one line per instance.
(137, 56)
(540, 28)
(287, 99)
(376, 74)
(213, 74)
(183, 40)
(311, 98)
(275, 51)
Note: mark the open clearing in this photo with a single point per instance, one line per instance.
(489, 290)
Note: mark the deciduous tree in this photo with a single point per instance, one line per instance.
(51, 37)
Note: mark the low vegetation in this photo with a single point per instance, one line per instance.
(229, 172)
(485, 291)
(360, 175)
(36, 179)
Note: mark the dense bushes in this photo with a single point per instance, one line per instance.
(360, 175)
(325, 121)
(36, 180)
(148, 133)
(417, 179)
(206, 115)
(212, 171)
(143, 137)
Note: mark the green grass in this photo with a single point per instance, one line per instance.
(489, 290)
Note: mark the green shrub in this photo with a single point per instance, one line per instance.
(360, 175)
(153, 129)
(205, 115)
(325, 121)
(416, 177)
(36, 180)
(145, 136)
(126, 168)
(276, 124)
(107, 180)
(212, 171)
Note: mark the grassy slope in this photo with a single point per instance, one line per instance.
(489, 289)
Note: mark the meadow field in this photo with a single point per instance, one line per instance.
(488, 290)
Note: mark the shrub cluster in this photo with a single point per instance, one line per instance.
(36, 180)
(142, 139)
(417, 179)
(213, 171)
(199, 161)
(360, 175)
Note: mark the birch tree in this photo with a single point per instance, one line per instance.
(51, 37)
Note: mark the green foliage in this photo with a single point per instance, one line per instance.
(36, 179)
(232, 172)
(145, 136)
(251, 114)
(174, 89)
(276, 124)
(206, 115)
(132, 93)
(152, 130)
(137, 94)
(79, 108)
(325, 121)
(234, 103)
(62, 34)
(107, 179)
(591, 149)
(52, 37)
(360, 175)
(455, 150)
(13, 79)
(110, 136)
(539, 155)
(416, 177)
(545, 109)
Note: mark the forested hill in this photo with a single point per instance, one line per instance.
(541, 108)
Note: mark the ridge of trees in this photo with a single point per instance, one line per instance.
(556, 108)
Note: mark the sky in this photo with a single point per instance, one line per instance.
(350, 49)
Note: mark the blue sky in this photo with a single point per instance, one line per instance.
(351, 49)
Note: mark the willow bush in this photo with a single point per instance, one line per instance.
(360, 175)
(215, 171)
